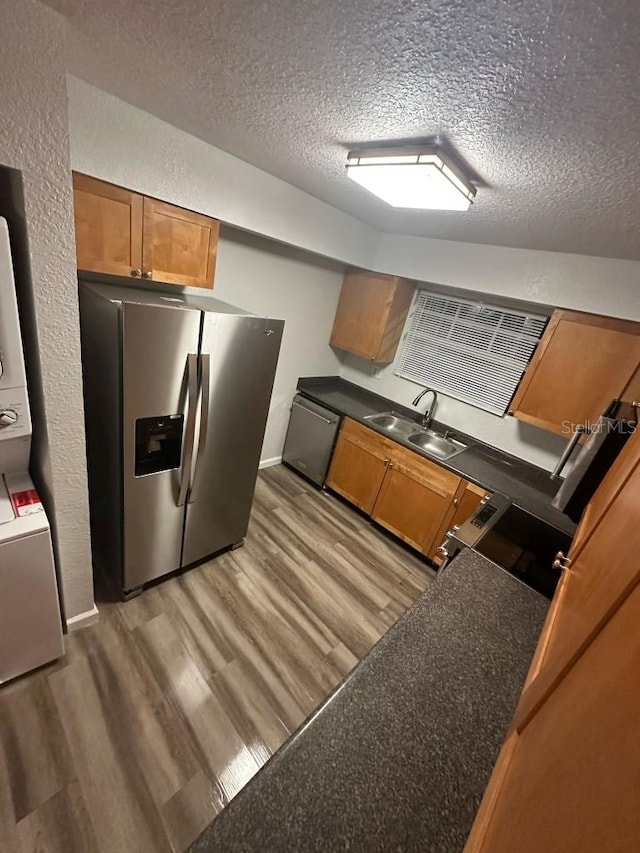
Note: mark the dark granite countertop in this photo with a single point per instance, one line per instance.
(397, 759)
(528, 486)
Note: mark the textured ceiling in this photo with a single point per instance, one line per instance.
(540, 97)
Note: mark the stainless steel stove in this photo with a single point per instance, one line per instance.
(512, 538)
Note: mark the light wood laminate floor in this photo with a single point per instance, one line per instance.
(161, 712)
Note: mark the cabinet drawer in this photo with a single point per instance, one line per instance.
(427, 473)
(367, 439)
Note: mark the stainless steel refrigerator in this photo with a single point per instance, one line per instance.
(177, 392)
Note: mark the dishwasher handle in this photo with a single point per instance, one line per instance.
(316, 414)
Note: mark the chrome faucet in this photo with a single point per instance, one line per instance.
(428, 415)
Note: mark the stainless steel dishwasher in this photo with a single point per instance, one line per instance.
(310, 438)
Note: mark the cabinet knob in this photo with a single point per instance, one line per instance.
(136, 273)
(147, 274)
(561, 562)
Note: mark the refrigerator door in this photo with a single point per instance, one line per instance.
(159, 371)
(238, 363)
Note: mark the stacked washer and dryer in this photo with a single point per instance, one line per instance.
(30, 621)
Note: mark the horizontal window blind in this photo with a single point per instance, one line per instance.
(468, 350)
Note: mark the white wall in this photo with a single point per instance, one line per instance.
(117, 142)
(599, 285)
(293, 286)
(34, 140)
(528, 442)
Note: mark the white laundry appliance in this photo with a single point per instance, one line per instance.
(30, 621)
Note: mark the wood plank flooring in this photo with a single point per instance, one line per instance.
(161, 712)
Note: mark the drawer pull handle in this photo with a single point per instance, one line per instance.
(315, 414)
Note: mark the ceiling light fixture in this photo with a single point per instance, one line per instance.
(423, 179)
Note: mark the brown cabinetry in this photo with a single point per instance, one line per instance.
(108, 223)
(582, 363)
(358, 465)
(371, 315)
(120, 232)
(412, 497)
(568, 774)
(465, 504)
(416, 499)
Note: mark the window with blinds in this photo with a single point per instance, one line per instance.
(468, 350)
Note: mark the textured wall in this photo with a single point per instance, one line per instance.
(599, 285)
(540, 97)
(291, 285)
(176, 166)
(117, 142)
(528, 442)
(584, 283)
(34, 139)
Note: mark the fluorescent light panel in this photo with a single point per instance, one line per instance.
(422, 181)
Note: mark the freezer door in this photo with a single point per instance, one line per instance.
(238, 364)
(159, 372)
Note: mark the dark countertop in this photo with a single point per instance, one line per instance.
(397, 759)
(528, 486)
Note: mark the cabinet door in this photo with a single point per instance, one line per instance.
(358, 465)
(463, 508)
(582, 363)
(568, 775)
(371, 314)
(415, 499)
(605, 569)
(179, 246)
(570, 780)
(108, 222)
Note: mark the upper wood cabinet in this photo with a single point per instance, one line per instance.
(582, 363)
(371, 315)
(120, 232)
(178, 246)
(108, 227)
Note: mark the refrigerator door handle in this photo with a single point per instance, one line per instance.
(190, 429)
(205, 384)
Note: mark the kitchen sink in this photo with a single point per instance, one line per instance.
(408, 431)
(436, 445)
(390, 422)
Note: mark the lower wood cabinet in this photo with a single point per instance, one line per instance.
(415, 499)
(359, 465)
(465, 504)
(412, 497)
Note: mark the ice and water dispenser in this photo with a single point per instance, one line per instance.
(158, 444)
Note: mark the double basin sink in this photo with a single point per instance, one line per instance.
(405, 430)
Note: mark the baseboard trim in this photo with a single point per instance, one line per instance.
(83, 620)
(268, 463)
